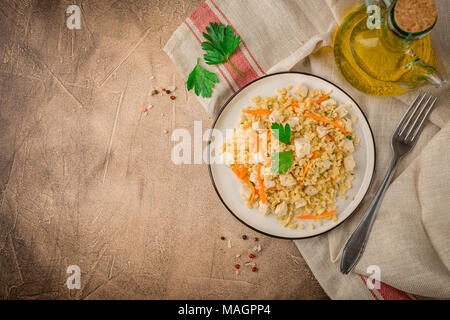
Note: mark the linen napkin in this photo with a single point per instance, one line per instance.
(410, 242)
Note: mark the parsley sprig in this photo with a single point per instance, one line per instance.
(282, 161)
(202, 79)
(222, 41)
(282, 134)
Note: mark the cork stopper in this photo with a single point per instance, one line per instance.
(415, 15)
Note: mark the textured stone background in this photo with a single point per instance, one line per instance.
(86, 179)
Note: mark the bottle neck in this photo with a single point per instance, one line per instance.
(391, 37)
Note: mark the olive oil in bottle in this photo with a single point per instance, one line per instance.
(384, 60)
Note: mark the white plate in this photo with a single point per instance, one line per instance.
(227, 185)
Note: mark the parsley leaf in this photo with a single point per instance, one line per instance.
(282, 134)
(202, 79)
(349, 137)
(282, 161)
(222, 41)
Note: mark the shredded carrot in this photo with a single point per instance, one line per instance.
(272, 188)
(315, 155)
(239, 170)
(322, 98)
(293, 106)
(248, 125)
(305, 170)
(320, 216)
(320, 118)
(333, 180)
(257, 143)
(262, 193)
(299, 184)
(258, 112)
(328, 138)
(269, 135)
(240, 173)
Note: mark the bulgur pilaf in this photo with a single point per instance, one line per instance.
(293, 153)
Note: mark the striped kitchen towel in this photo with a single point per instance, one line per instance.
(257, 35)
(409, 244)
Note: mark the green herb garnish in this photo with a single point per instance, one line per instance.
(282, 161)
(202, 79)
(349, 137)
(280, 133)
(222, 41)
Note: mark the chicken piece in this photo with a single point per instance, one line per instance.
(301, 90)
(281, 209)
(274, 116)
(311, 191)
(254, 178)
(300, 203)
(347, 146)
(328, 102)
(258, 125)
(302, 147)
(267, 172)
(341, 111)
(246, 192)
(263, 208)
(349, 163)
(292, 121)
(287, 180)
(326, 164)
(347, 124)
(268, 182)
(321, 131)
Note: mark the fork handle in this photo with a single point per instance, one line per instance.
(356, 244)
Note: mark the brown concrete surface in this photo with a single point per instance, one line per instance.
(86, 178)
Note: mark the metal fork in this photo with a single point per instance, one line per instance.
(403, 140)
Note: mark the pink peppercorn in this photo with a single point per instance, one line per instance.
(173, 97)
(237, 265)
(251, 256)
(254, 269)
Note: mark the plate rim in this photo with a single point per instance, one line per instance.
(226, 103)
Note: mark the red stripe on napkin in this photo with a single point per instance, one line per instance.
(386, 291)
(391, 293)
(202, 17)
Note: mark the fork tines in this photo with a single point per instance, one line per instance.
(414, 119)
